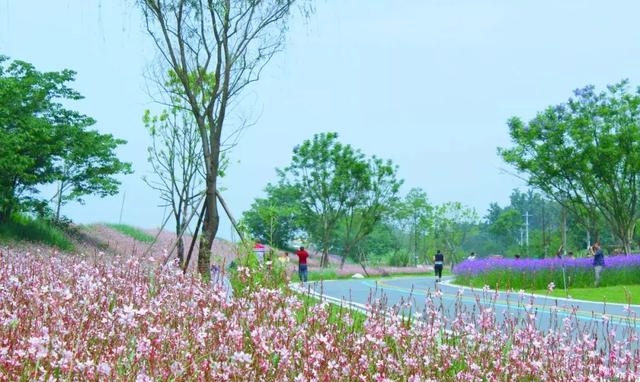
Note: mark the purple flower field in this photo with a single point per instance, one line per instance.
(621, 269)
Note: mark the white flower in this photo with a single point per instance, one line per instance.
(241, 357)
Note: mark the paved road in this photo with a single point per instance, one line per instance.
(597, 318)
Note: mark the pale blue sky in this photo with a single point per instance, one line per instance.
(427, 84)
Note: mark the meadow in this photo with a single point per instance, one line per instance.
(125, 318)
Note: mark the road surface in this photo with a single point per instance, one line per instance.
(409, 295)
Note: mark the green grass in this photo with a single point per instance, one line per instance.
(24, 228)
(321, 275)
(132, 232)
(622, 294)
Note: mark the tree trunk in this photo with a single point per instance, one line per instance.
(347, 249)
(209, 230)
(179, 232)
(180, 250)
(324, 261)
(627, 239)
(5, 212)
(58, 202)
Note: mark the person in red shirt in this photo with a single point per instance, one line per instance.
(302, 264)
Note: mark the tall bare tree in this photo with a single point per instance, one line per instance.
(175, 156)
(215, 48)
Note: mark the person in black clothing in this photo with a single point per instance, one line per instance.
(598, 261)
(438, 264)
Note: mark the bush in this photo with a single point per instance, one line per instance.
(399, 258)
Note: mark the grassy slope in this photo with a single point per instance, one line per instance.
(132, 232)
(25, 229)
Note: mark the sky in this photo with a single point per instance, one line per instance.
(428, 84)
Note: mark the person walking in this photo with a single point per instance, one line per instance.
(438, 264)
(598, 261)
(302, 264)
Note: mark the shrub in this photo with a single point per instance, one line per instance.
(399, 258)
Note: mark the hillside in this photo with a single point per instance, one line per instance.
(98, 240)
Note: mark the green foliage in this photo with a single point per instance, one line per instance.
(400, 258)
(88, 164)
(584, 155)
(507, 226)
(24, 228)
(42, 142)
(339, 187)
(247, 274)
(275, 219)
(453, 224)
(413, 216)
(132, 232)
(380, 241)
(323, 274)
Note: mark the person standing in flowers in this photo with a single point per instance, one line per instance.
(598, 261)
(438, 264)
(302, 264)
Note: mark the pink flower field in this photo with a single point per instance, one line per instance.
(75, 318)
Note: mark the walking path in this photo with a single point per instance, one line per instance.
(410, 295)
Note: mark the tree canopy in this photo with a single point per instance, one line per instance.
(339, 185)
(274, 219)
(585, 155)
(42, 142)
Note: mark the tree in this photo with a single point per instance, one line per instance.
(507, 226)
(413, 217)
(175, 156)
(274, 219)
(452, 225)
(87, 165)
(338, 184)
(42, 142)
(584, 155)
(215, 48)
(370, 199)
(382, 241)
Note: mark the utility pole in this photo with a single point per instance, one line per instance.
(124, 195)
(526, 229)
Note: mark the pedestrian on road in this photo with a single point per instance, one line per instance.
(302, 264)
(438, 264)
(598, 261)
